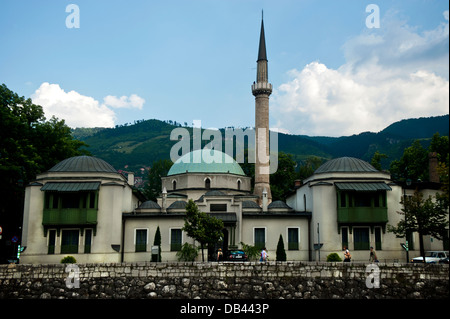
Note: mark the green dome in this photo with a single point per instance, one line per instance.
(206, 161)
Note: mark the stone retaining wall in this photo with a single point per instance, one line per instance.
(287, 280)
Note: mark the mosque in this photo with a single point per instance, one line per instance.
(84, 208)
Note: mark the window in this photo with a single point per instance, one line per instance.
(363, 200)
(239, 185)
(174, 185)
(293, 239)
(343, 200)
(207, 183)
(377, 238)
(69, 241)
(361, 238)
(218, 207)
(141, 240)
(175, 239)
(344, 231)
(51, 241)
(87, 241)
(260, 237)
(92, 197)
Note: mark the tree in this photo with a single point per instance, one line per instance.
(159, 169)
(204, 228)
(376, 160)
(281, 253)
(412, 165)
(157, 242)
(282, 181)
(424, 216)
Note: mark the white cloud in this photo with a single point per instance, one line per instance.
(389, 74)
(134, 101)
(79, 110)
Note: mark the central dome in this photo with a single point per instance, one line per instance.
(347, 165)
(83, 164)
(206, 161)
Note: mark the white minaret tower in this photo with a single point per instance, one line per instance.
(261, 89)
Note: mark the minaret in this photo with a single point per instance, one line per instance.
(261, 89)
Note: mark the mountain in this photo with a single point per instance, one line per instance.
(135, 147)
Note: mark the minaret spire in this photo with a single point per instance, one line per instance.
(262, 89)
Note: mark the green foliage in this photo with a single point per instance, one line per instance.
(282, 181)
(188, 252)
(157, 242)
(204, 228)
(281, 253)
(412, 165)
(159, 169)
(252, 252)
(333, 257)
(68, 260)
(376, 160)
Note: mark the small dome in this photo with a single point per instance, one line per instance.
(249, 204)
(149, 205)
(345, 165)
(206, 161)
(215, 193)
(179, 204)
(83, 164)
(278, 204)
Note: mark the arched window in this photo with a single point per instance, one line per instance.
(174, 185)
(239, 184)
(207, 183)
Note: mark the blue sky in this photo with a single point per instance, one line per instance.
(196, 60)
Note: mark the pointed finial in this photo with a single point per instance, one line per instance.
(262, 14)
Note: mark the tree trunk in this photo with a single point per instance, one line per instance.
(422, 248)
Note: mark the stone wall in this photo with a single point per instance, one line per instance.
(287, 280)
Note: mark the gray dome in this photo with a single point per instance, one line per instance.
(179, 204)
(345, 164)
(278, 204)
(149, 205)
(83, 164)
(249, 204)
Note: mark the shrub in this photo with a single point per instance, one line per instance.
(252, 252)
(68, 260)
(281, 253)
(333, 257)
(188, 252)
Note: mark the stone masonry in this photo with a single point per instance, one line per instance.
(249, 280)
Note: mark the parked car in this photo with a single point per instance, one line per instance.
(432, 257)
(444, 261)
(236, 255)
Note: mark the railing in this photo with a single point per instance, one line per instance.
(362, 215)
(69, 216)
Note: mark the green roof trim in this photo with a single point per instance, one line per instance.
(71, 187)
(206, 161)
(363, 187)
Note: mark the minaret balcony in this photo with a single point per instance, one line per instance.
(261, 88)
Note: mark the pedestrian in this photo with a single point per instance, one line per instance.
(373, 255)
(264, 255)
(347, 255)
(219, 255)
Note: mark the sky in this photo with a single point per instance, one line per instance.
(338, 67)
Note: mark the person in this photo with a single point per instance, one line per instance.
(347, 256)
(219, 255)
(373, 255)
(264, 255)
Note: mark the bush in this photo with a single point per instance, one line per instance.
(188, 252)
(333, 257)
(68, 260)
(252, 252)
(281, 253)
